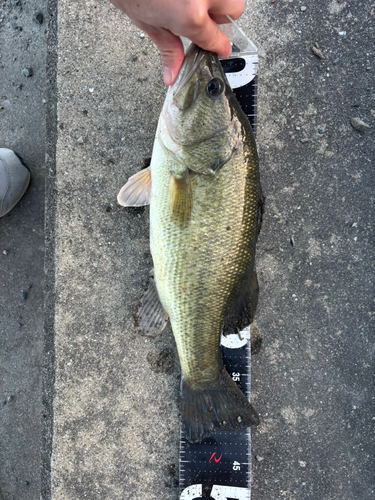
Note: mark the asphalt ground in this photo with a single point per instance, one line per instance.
(112, 427)
(22, 247)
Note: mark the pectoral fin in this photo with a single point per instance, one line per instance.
(137, 191)
(181, 198)
(151, 317)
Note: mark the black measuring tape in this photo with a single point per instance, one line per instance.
(219, 467)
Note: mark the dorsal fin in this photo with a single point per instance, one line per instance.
(137, 191)
(243, 309)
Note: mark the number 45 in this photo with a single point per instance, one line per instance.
(218, 492)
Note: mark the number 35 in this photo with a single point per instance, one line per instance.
(218, 492)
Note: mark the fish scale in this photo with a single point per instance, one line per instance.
(205, 211)
(178, 269)
(204, 206)
(220, 467)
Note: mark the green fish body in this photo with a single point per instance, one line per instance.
(205, 206)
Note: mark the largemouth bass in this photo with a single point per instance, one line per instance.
(205, 205)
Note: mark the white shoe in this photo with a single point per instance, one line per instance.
(14, 180)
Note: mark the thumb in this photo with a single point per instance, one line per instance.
(209, 37)
(171, 51)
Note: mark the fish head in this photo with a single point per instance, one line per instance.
(199, 122)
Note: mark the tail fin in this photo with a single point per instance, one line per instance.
(221, 405)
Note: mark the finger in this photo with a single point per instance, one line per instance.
(170, 48)
(209, 37)
(219, 19)
(232, 8)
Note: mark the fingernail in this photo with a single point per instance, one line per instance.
(228, 53)
(167, 76)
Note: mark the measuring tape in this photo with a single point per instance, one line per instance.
(242, 76)
(219, 467)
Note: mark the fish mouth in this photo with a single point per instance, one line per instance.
(193, 59)
(198, 67)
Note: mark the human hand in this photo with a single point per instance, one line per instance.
(166, 20)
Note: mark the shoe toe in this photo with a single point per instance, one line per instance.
(14, 180)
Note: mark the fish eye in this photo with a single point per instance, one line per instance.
(215, 87)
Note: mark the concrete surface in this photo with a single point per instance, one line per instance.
(116, 426)
(312, 381)
(109, 406)
(22, 128)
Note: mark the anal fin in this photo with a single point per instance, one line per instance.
(137, 191)
(151, 317)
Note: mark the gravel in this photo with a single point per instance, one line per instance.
(27, 71)
(360, 125)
